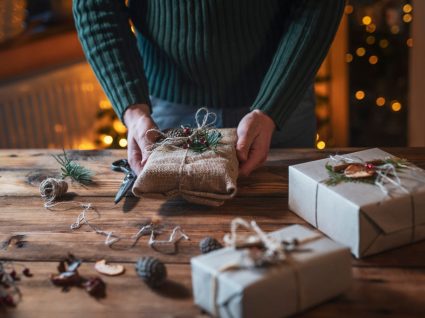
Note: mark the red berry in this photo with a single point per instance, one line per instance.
(13, 274)
(186, 131)
(27, 272)
(8, 300)
(202, 140)
(185, 146)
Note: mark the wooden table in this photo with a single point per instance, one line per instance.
(389, 284)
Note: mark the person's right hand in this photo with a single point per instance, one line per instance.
(138, 121)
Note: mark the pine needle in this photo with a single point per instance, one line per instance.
(72, 169)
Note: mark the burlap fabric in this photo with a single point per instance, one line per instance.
(207, 178)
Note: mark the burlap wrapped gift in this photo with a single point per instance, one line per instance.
(207, 178)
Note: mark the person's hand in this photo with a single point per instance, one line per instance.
(255, 132)
(138, 121)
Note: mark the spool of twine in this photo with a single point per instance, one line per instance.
(52, 189)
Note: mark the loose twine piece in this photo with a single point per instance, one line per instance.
(208, 120)
(274, 252)
(52, 189)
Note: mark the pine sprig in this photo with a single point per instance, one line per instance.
(72, 169)
(208, 139)
(336, 178)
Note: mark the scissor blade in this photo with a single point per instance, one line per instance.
(126, 185)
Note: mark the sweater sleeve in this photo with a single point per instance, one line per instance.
(300, 52)
(111, 49)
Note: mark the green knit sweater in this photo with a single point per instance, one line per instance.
(261, 54)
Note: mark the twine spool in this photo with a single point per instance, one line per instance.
(52, 189)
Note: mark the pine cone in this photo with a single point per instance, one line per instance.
(174, 132)
(209, 244)
(151, 270)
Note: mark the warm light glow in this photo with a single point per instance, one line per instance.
(380, 101)
(395, 106)
(367, 20)
(105, 104)
(360, 95)
(373, 59)
(58, 128)
(370, 40)
(321, 145)
(119, 126)
(371, 28)
(349, 9)
(107, 139)
(348, 58)
(317, 137)
(409, 42)
(123, 142)
(395, 29)
(361, 51)
(86, 145)
(407, 8)
(384, 43)
(407, 18)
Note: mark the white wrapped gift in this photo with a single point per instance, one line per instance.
(369, 218)
(317, 270)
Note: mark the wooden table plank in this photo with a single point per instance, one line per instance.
(22, 170)
(49, 236)
(375, 293)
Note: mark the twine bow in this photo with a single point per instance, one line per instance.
(263, 251)
(203, 123)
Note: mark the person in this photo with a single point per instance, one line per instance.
(252, 62)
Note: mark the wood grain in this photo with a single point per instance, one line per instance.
(387, 284)
(376, 292)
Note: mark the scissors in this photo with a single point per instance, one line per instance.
(122, 165)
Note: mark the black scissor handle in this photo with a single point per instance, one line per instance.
(121, 165)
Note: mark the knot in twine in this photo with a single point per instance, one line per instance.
(263, 249)
(207, 122)
(51, 189)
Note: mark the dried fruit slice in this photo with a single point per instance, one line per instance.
(357, 171)
(108, 269)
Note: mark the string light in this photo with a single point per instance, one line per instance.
(384, 43)
(105, 104)
(395, 106)
(361, 51)
(380, 101)
(107, 140)
(119, 126)
(373, 59)
(371, 28)
(366, 20)
(123, 142)
(395, 29)
(348, 58)
(407, 18)
(321, 145)
(409, 42)
(407, 8)
(370, 40)
(360, 95)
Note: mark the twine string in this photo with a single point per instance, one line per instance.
(52, 189)
(203, 122)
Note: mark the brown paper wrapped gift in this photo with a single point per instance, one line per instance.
(207, 178)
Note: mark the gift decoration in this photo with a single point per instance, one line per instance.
(209, 244)
(72, 169)
(199, 164)
(152, 271)
(10, 293)
(369, 200)
(269, 275)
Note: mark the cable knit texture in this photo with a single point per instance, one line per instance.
(219, 53)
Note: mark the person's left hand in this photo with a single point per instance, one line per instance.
(255, 132)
